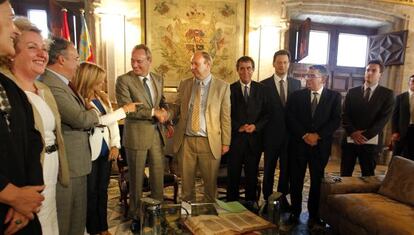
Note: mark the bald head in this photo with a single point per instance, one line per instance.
(201, 65)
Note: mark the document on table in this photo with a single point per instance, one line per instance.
(234, 207)
(373, 140)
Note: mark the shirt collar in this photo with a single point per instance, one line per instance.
(61, 77)
(148, 76)
(205, 81)
(242, 84)
(318, 91)
(372, 87)
(410, 92)
(277, 78)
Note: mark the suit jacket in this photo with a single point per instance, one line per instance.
(140, 126)
(401, 115)
(275, 132)
(63, 162)
(76, 122)
(108, 131)
(255, 111)
(325, 121)
(217, 114)
(372, 116)
(19, 148)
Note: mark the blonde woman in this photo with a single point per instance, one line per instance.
(28, 63)
(104, 141)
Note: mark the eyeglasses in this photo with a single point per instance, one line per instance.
(311, 76)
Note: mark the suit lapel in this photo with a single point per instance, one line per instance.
(157, 88)
(239, 94)
(56, 81)
(406, 102)
(321, 104)
(274, 89)
(186, 96)
(211, 91)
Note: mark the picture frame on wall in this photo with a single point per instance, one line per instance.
(174, 29)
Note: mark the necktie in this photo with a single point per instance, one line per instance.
(246, 94)
(282, 92)
(5, 107)
(146, 87)
(314, 103)
(412, 108)
(195, 115)
(367, 93)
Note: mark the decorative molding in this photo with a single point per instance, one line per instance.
(403, 2)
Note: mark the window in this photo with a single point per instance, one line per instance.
(318, 48)
(352, 50)
(39, 18)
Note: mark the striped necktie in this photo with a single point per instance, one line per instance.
(195, 114)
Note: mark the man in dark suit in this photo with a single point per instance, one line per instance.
(278, 87)
(144, 135)
(21, 177)
(249, 115)
(313, 115)
(403, 123)
(366, 110)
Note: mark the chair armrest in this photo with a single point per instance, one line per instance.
(330, 186)
(368, 184)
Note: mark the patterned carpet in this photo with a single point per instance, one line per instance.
(119, 225)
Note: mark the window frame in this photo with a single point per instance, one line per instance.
(333, 31)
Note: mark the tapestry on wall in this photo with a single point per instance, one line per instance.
(177, 28)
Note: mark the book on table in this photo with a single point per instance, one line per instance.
(227, 224)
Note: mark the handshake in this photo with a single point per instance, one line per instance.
(161, 115)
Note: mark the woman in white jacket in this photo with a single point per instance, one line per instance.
(104, 141)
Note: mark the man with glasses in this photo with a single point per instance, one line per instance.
(313, 115)
(144, 135)
(76, 121)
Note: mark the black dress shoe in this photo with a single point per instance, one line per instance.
(284, 204)
(135, 226)
(252, 206)
(293, 219)
(315, 222)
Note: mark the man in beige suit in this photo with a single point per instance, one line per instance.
(203, 131)
(143, 135)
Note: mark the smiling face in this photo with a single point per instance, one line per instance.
(245, 71)
(140, 62)
(8, 30)
(31, 55)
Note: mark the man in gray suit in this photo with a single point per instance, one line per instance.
(76, 122)
(144, 135)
